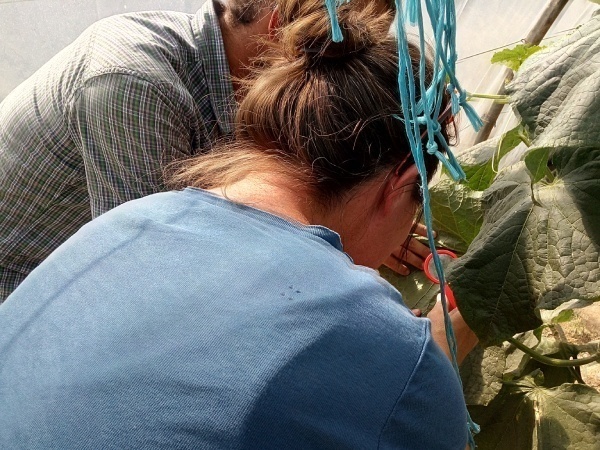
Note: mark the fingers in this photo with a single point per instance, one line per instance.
(417, 312)
(437, 310)
(421, 230)
(397, 265)
(410, 258)
(413, 254)
(418, 249)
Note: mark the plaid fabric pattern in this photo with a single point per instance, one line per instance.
(96, 125)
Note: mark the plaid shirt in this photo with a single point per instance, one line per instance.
(96, 125)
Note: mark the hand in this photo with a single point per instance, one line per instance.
(466, 340)
(412, 254)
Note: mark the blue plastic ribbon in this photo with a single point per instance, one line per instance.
(426, 111)
(336, 31)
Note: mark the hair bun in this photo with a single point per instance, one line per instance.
(308, 31)
(328, 49)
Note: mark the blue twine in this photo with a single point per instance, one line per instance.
(426, 111)
(454, 99)
(412, 11)
(336, 31)
(445, 44)
(470, 111)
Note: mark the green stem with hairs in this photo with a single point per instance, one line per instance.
(553, 361)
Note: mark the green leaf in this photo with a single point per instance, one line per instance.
(561, 317)
(481, 373)
(569, 415)
(527, 416)
(558, 315)
(457, 208)
(506, 423)
(555, 92)
(416, 289)
(539, 244)
(480, 163)
(538, 247)
(514, 57)
(457, 213)
(537, 163)
(545, 344)
(517, 361)
(511, 139)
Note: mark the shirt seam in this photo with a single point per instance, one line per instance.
(403, 391)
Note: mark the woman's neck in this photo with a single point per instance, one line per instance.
(290, 199)
(276, 194)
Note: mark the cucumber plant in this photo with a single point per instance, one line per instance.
(526, 223)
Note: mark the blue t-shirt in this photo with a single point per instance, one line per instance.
(185, 321)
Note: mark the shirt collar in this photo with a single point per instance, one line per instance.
(215, 66)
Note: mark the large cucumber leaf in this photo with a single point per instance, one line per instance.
(457, 208)
(458, 214)
(539, 244)
(530, 230)
(528, 416)
(555, 91)
(482, 374)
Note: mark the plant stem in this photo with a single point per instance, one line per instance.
(502, 99)
(553, 361)
(524, 135)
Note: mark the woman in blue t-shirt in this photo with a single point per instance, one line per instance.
(245, 311)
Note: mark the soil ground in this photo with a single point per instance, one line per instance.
(584, 329)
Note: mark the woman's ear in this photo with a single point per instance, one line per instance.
(274, 24)
(399, 189)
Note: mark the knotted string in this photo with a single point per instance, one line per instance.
(443, 21)
(426, 111)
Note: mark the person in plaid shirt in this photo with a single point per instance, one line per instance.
(96, 125)
(93, 127)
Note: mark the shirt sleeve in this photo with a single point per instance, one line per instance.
(431, 411)
(128, 130)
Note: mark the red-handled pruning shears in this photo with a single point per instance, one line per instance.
(446, 256)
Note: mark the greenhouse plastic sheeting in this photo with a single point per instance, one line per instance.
(488, 26)
(32, 31)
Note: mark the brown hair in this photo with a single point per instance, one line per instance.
(328, 113)
(244, 12)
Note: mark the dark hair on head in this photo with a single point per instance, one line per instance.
(243, 12)
(328, 113)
